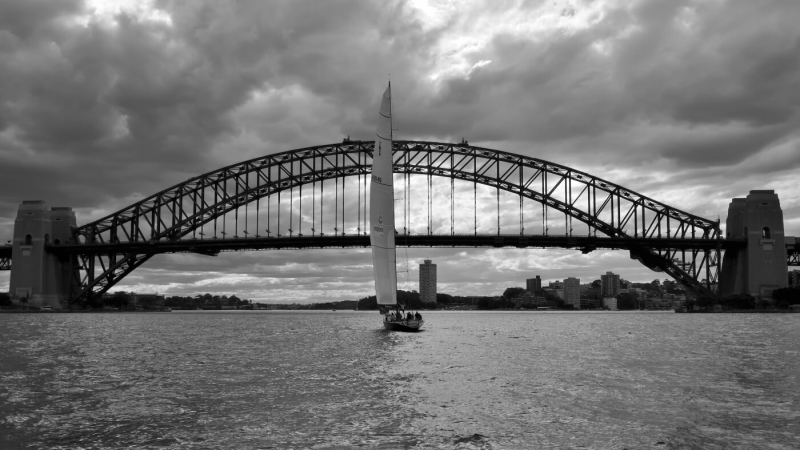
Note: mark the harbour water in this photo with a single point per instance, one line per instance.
(334, 380)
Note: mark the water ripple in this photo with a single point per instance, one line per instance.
(336, 380)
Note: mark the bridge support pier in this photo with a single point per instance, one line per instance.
(39, 278)
(760, 267)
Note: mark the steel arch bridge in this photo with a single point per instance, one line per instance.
(232, 198)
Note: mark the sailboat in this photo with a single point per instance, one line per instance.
(382, 231)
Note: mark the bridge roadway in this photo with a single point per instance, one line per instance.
(214, 246)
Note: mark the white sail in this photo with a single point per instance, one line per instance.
(381, 205)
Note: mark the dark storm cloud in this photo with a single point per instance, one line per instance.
(24, 19)
(101, 107)
(137, 106)
(146, 91)
(722, 147)
(679, 64)
(328, 48)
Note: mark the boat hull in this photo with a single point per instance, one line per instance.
(404, 325)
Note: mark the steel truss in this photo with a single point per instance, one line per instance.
(793, 257)
(182, 211)
(5, 257)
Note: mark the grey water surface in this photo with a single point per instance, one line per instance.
(491, 380)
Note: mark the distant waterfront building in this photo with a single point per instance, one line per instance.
(427, 282)
(155, 301)
(794, 278)
(132, 300)
(533, 285)
(610, 303)
(591, 303)
(609, 285)
(572, 292)
(559, 293)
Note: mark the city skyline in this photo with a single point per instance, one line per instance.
(103, 103)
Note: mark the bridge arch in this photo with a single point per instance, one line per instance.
(603, 206)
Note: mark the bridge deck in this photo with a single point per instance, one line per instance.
(213, 246)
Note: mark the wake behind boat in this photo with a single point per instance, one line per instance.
(382, 230)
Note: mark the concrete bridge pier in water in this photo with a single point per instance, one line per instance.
(38, 277)
(760, 267)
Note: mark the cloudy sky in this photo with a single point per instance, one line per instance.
(103, 103)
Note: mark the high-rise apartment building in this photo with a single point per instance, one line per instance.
(427, 282)
(533, 285)
(572, 292)
(609, 285)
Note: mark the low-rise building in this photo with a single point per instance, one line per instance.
(591, 303)
(147, 301)
(610, 303)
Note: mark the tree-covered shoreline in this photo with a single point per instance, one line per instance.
(513, 298)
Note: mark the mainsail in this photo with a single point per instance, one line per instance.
(381, 205)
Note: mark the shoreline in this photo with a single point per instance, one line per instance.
(737, 311)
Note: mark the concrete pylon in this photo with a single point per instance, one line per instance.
(39, 278)
(760, 267)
